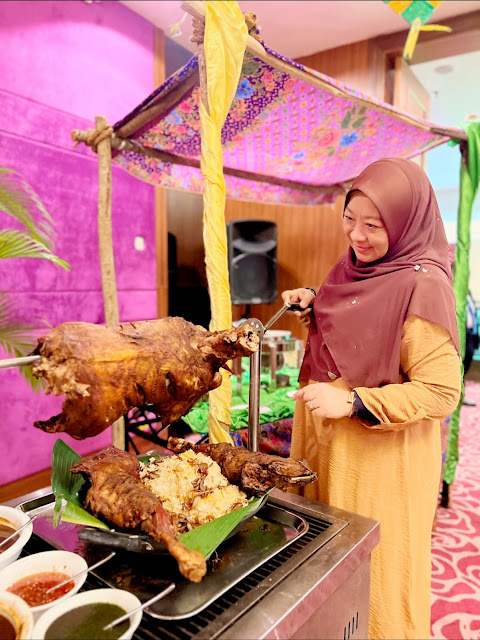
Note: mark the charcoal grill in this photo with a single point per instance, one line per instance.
(318, 587)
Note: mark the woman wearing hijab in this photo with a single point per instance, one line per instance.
(381, 369)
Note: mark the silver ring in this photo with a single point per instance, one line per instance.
(310, 405)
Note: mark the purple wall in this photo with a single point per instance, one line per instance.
(62, 63)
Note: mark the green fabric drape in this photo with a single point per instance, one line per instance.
(469, 179)
(274, 405)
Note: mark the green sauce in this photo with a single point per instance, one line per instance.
(88, 622)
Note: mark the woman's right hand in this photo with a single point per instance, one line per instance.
(302, 297)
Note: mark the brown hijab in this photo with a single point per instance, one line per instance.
(360, 310)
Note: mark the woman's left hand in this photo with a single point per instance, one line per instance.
(325, 401)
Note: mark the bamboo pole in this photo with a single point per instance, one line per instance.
(105, 246)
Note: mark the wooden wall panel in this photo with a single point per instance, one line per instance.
(185, 215)
(358, 65)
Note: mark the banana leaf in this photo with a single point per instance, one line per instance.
(67, 486)
(146, 459)
(209, 536)
(77, 515)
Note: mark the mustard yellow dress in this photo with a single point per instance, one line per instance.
(391, 472)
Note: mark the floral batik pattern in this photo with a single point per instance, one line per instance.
(278, 126)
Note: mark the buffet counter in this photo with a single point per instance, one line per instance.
(317, 587)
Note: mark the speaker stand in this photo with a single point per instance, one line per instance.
(246, 315)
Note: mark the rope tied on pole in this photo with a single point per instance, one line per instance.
(198, 34)
(92, 137)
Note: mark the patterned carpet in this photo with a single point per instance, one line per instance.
(456, 540)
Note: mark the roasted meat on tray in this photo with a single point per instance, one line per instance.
(105, 372)
(255, 472)
(118, 495)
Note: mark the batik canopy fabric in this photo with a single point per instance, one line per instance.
(314, 133)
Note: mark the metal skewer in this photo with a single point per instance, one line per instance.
(160, 595)
(18, 362)
(80, 573)
(25, 524)
(254, 384)
(278, 315)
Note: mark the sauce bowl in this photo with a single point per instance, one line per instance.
(64, 562)
(18, 614)
(9, 516)
(124, 599)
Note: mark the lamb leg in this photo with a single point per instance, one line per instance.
(118, 495)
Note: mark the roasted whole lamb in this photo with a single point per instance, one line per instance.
(254, 472)
(118, 495)
(105, 372)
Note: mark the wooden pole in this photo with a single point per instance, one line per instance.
(158, 108)
(105, 246)
(165, 156)
(160, 205)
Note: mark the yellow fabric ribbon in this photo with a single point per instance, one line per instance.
(224, 44)
(413, 34)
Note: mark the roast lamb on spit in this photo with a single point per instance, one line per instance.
(118, 495)
(254, 472)
(105, 372)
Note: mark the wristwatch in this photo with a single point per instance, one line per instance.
(359, 410)
(351, 399)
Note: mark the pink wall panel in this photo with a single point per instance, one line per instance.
(85, 58)
(61, 63)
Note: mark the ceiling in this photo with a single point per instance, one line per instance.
(298, 28)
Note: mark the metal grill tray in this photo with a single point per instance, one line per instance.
(261, 537)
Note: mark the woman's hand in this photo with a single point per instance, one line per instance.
(303, 297)
(325, 401)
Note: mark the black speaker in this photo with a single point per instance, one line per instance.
(252, 261)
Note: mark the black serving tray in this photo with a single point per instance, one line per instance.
(259, 539)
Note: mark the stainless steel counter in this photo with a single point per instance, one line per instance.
(319, 589)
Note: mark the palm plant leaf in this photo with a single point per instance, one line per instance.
(14, 335)
(19, 200)
(18, 244)
(16, 338)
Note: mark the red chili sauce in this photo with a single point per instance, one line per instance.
(5, 531)
(33, 588)
(7, 630)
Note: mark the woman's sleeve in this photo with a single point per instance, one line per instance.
(432, 366)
